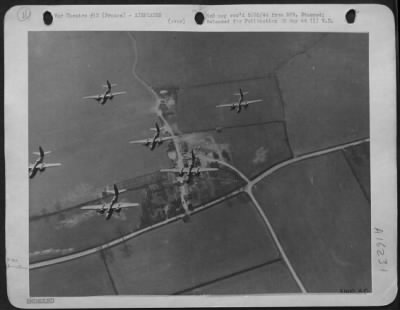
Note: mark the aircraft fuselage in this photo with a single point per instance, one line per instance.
(238, 106)
(155, 141)
(109, 213)
(106, 96)
(33, 172)
(111, 209)
(37, 166)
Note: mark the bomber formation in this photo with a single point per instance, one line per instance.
(184, 173)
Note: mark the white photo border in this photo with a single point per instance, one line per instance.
(377, 20)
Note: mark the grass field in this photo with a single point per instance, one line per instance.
(322, 219)
(61, 233)
(315, 95)
(358, 159)
(267, 279)
(201, 101)
(181, 59)
(81, 277)
(77, 229)
(260, 130)
(90, 140)
(326, 93)
(256, 148)
(218, 241)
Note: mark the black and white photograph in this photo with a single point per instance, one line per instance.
(202, 163)
(198, 163)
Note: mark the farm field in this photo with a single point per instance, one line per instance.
(358, 158)
(90, 140)
(74, 229)
(324, 94)
(286, 207)
(319, 204)
(267, 146)
(186, 60)
(182, 255)
(267, 279)
(81, 277)
(197, 112)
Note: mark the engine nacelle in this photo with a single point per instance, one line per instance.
(118, 210)
(147, 143)
(101, 211)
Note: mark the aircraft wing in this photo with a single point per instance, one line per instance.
(92, 97)
(119, 93)
(120, 191)
(238, 94)
(225, 105)
(173, 170)
(162, 129)
(205, 169)
(51, 165)
(143, 141)
(38, 154)
(165, 138)
(254, 101)
(126, 205)
(93, 207)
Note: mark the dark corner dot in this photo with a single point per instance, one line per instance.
(199, 18)
(47, 18)
(351, 16)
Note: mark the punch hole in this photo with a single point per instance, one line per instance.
(351, 16)
(47, 18)
(199, 18)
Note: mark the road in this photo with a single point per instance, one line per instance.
(249, 191)
(175, 139)
(246, 189)
(131, 235)
(306, 156)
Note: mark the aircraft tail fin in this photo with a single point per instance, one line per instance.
(241, 93)
(41, 153)
(116, 192)
(155, 129)
(109, 85)
(190, 154)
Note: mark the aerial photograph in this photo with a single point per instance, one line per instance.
(198, 163)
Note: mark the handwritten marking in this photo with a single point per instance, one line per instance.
(380, 244)
(14, 263)
(23, 13)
